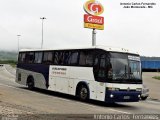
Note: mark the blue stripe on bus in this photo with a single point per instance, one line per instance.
(39, 68)
(122, 96)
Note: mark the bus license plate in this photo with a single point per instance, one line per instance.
(126, 97)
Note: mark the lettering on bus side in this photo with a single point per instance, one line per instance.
(58, 71)
(62, 69)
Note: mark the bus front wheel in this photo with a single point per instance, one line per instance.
(30, 83)
(83, 93)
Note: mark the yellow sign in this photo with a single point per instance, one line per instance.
(94, 26)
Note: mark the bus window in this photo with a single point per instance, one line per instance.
(29, 58)
(86, 58)
(102, 68)
(89, 60)
(48, 57)
(73, 60)
(56, 58)
(82, 59)
(38, 57)
(59, 58)
(21, 58)
(66, 57)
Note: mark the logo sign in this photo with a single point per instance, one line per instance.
(93, 7)
(93, 19)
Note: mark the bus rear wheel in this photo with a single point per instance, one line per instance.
(30, 83)
(83, 93)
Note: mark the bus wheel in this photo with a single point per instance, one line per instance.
(83, 93)
(30, 83)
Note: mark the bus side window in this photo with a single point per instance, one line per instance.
(86, 58)
(73, 60)
(89, 59)
(102, 68)
(66, 57)
(29, 58)
(48, 57)
(56, 58)
(82, 59)
(21, 58)
(38, 57)
(61, 58)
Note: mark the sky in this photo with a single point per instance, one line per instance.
(134, 29)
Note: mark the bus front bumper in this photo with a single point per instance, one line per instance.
(122, 96)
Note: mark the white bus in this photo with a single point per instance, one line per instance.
(98, 73)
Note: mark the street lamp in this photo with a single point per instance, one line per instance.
(42, 31)
(18, 37)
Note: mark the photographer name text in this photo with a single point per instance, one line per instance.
(138, 5)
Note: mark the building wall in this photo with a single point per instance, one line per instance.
(150, 63)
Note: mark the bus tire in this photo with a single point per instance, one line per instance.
(83, 92)
(30, 83)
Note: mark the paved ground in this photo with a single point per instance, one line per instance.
(152, 84)
(39, 104)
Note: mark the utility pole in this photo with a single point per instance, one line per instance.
(42, 31)
(18, 37)
(94, 37)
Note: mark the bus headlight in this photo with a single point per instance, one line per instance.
(139, 89)
(111, 96)
(113, 89)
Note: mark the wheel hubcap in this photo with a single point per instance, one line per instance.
(83, 93)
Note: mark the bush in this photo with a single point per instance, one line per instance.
(11, 62)
(156, 77)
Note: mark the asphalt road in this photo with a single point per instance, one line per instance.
(24, 101)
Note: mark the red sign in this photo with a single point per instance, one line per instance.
(93, 7)
(93, 19)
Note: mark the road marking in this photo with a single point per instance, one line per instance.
(8, 71)
(120, 111)
(151, 101)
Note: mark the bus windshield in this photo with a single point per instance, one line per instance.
(124, 68)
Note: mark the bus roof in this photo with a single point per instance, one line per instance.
(106, 48)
